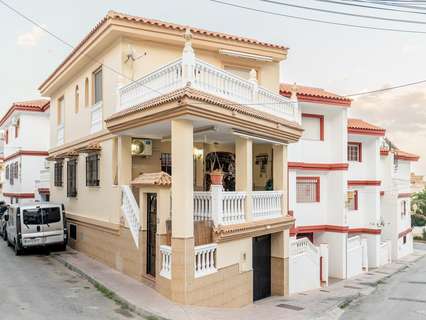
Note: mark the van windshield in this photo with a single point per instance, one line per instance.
(41, 216)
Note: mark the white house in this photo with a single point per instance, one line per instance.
(26, 141)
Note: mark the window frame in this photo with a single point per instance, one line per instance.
(94, 95)
(317, 188)
(77, 99)
(359, 146)
(58, 174)
(72, 178)
(60, 110)
(92, 170)
(320, 117)
(17, 128)
(403, 208)
(166, 162)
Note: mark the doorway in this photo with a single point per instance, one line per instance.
(151, 233)
(261, 267)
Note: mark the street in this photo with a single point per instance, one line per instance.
(35, 286)
(403, 296)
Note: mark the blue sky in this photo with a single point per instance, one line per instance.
(339, 59)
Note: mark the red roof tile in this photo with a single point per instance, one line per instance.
(39, 105)
(402, 155)
(316, 95)
(358, 126)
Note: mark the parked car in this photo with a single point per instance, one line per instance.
(36, 224)
(3, 210)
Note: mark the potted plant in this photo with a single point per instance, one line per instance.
(216, 177)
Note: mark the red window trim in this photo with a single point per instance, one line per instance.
(321, 119)
(359, 144)
(318, 188)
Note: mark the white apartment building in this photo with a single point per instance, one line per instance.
(337, 180)
(26, 140)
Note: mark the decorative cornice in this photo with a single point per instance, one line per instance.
(367, 132)
(33, 153)
(365, 230)
(364, 182)
(405, 195)
(332, 228)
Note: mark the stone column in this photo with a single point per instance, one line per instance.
(124, 160)
(244, 171)
(182, 211)
(280, 174)
(279, 263)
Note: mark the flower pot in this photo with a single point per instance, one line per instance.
(216, 178)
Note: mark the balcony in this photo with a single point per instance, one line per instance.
(212, 80)
(60, 135)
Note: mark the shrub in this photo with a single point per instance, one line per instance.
(418, 220)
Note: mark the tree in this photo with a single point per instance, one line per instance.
(418, 202)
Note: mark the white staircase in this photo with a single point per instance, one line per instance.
(131, 211)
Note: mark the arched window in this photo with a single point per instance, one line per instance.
(86, 92)
(77, 99)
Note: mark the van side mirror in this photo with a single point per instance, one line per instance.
(6, 217)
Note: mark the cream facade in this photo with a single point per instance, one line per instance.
(138, 136)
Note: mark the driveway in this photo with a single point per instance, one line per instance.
(403, 296)
(37, 287)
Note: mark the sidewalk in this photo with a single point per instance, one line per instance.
(326, 303)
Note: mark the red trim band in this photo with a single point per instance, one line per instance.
(332, 228)
(364, 182)
(405, 232)
(407, 158)
(19, 195)
(317, 99)
(365, 230)
(367, 132)
(27, 153)
(382, 193)
(404, 195)
(44, 190)
(318, 166)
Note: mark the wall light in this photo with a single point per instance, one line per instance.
(198, 153)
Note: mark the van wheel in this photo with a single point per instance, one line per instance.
(17, 250)
(63, 247)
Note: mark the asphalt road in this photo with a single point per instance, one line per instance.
(403, 296)
(37, 287)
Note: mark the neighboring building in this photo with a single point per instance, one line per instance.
(417, 182)
(201, 101)
(397, 167)
(1, 166)
(26, 140)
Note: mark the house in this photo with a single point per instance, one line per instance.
(147, 118)
(25, 129)
(418, 183)
(397, 167)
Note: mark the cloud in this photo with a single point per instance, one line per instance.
(30, 38)
(402, 113)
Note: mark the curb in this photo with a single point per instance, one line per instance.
(108, 292)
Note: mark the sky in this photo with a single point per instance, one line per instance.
(340, 59)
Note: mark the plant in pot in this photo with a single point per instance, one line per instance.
(216, 175)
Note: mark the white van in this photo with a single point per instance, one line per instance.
(36, 224)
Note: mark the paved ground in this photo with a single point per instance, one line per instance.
(316, 304)
(37, 287)
(402, 296)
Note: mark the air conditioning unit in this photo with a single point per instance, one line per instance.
(14, 121)
(141, 147)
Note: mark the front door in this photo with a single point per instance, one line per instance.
(261, 267)
(151, 233)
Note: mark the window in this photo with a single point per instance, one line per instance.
(59, 111)
(313, 126)
(58, 174)
(307, 189)
(17, 128)
(11, 173)
(166, 163)
(41, 216)
(15, 170)
(354, 151)
(86, 92)
(72, 178)
(7, 172)
(353, 200)
(6, 137)
(404, 239)
(97, 86)
(403, 207)
(92, 170)
(73, 231)
(77, 99)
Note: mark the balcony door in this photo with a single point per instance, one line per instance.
(151, 233)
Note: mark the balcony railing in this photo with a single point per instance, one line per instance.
(60, 135)
(166, 261)
(205, 259)
(210, 79)
(226, 208)
(96, 117)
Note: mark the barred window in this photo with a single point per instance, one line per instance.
(7, 172)
(353, 200)
(11, 173)
(58, 174)
(403, 207)
(166, 163)
(307, 189)
(15, 170)
(72, 178)
(354, 151)
(92, 170)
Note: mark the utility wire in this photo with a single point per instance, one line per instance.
(343, 13)
(315, 20)
(386, 89)
(385, 3)
(369, 6)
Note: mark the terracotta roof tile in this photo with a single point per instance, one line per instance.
(402, 155)
(311, 94)
(363, 127)
(154, 179)
(39, 105)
